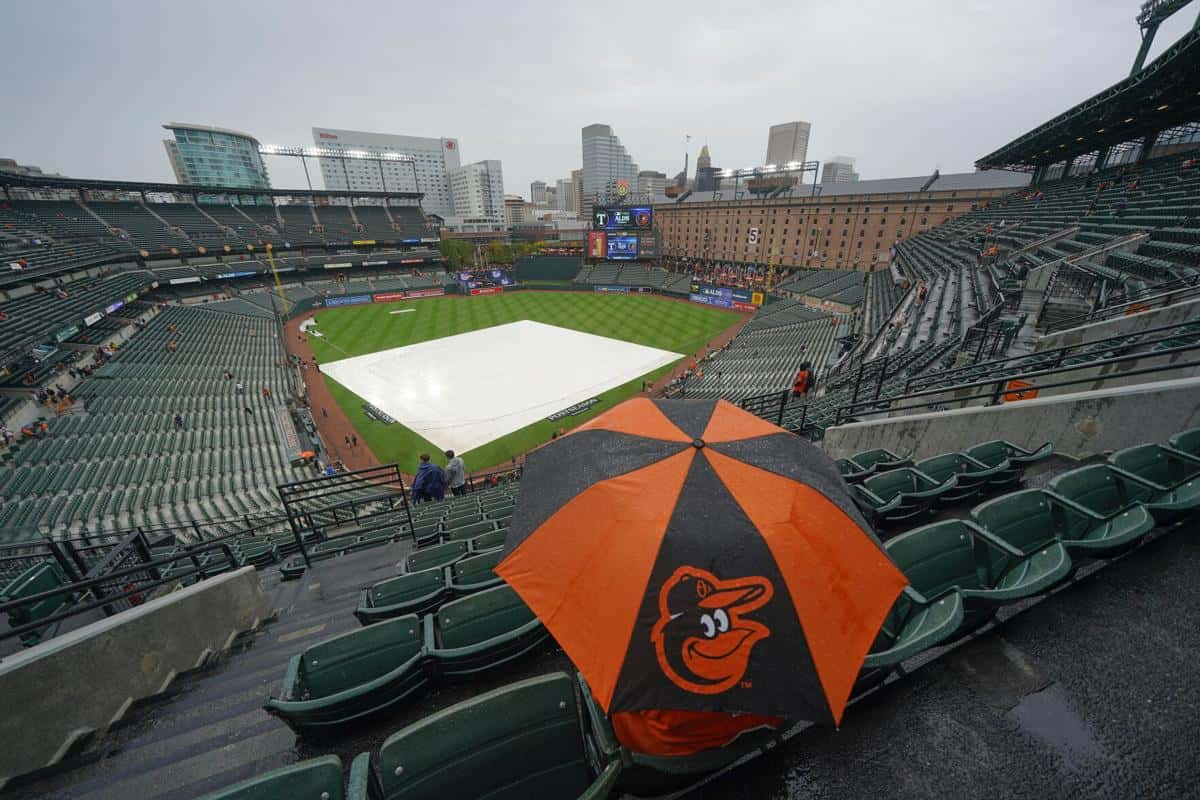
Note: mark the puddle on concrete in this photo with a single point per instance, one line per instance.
(1048, 716)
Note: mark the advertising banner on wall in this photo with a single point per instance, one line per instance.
(426, 292)
(487, 290)
(347, 300)
(597, 244)
(92, 319)
(612, 289)
(388, 297)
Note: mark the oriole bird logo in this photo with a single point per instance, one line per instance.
(702, 637)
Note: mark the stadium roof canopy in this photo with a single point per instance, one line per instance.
(13, 179)
(959, 181)
(1163, 95)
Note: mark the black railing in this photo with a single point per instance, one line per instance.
(1058, 354)
(998, 388)
(1164, 295)
(133, 582)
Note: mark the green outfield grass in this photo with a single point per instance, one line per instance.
(642, 319)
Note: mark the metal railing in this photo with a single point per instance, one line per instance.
(1165, 295)
(998, 388)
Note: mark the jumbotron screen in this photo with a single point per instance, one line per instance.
(622, 247)
(636, 218)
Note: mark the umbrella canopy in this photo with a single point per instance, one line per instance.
(688, 555)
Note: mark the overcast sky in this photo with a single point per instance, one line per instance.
(905, 87)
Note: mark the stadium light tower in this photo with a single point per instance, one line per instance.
(304, 153)
(1152, 14)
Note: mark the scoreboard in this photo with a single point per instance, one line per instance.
(623, 219)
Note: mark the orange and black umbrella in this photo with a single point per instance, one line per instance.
(688, 555)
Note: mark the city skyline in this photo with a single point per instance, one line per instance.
(728, 97)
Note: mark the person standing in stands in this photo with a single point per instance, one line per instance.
(456, 474)
(179, 421)
(803, 381)
(430, 482)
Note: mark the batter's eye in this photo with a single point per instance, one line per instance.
(710, 627)
(722, 620)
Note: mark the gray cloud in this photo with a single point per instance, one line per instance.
(903, 87)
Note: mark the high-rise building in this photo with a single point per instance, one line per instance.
(428, 173)
(609, 174)
(537, 192)
(564, 195)
(577, 190)
(786, 142)
(516, 209)
(708, 177)
(202, 155)
(839, 169)
(651, 184)
(478, 191)
(551, 196)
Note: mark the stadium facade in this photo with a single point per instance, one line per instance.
(435, 158)
(839, 225)
(202, 155)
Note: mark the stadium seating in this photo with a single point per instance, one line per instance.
(480, 632)
(1163, 480)
(522, 740)
(39, 578)
(352, 675)
(316, 778)
(914, 493)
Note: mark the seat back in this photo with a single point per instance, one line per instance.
(469, 531)
(481, 616)
(938, 557)
(1155, 463)
(1024, 519)
(990, 453)
(315, 778)
(893, 482)
(942, 467)
(35, 580)
(359, 656)
(1188, 441)
(517, 742)
(406, 587)
(1095, 487)
(440, 555)
(489, 540)
(476, 568)
(870, 458)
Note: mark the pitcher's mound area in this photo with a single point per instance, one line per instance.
(464, 391)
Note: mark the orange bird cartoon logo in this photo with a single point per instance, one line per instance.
(703, 637)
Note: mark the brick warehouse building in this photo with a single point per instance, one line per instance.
(844, 225)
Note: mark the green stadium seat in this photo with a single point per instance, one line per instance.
(473, 574)
(426, 533)
(851, 471)
(915, 492)
(1109, 516)
(880, 459)
(411, 593)
(1171, 480)
(914, 625)
(469, 531)
(645, 774)
(517, 742)
(972, 476)
(480, 632)
(352, 675)
(1186, 442)
(489, 541)
(39, 578)
(317, 778)
(436, 557)
(955, 555)
(998, 452)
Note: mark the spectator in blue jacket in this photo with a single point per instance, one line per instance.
(430, 483)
